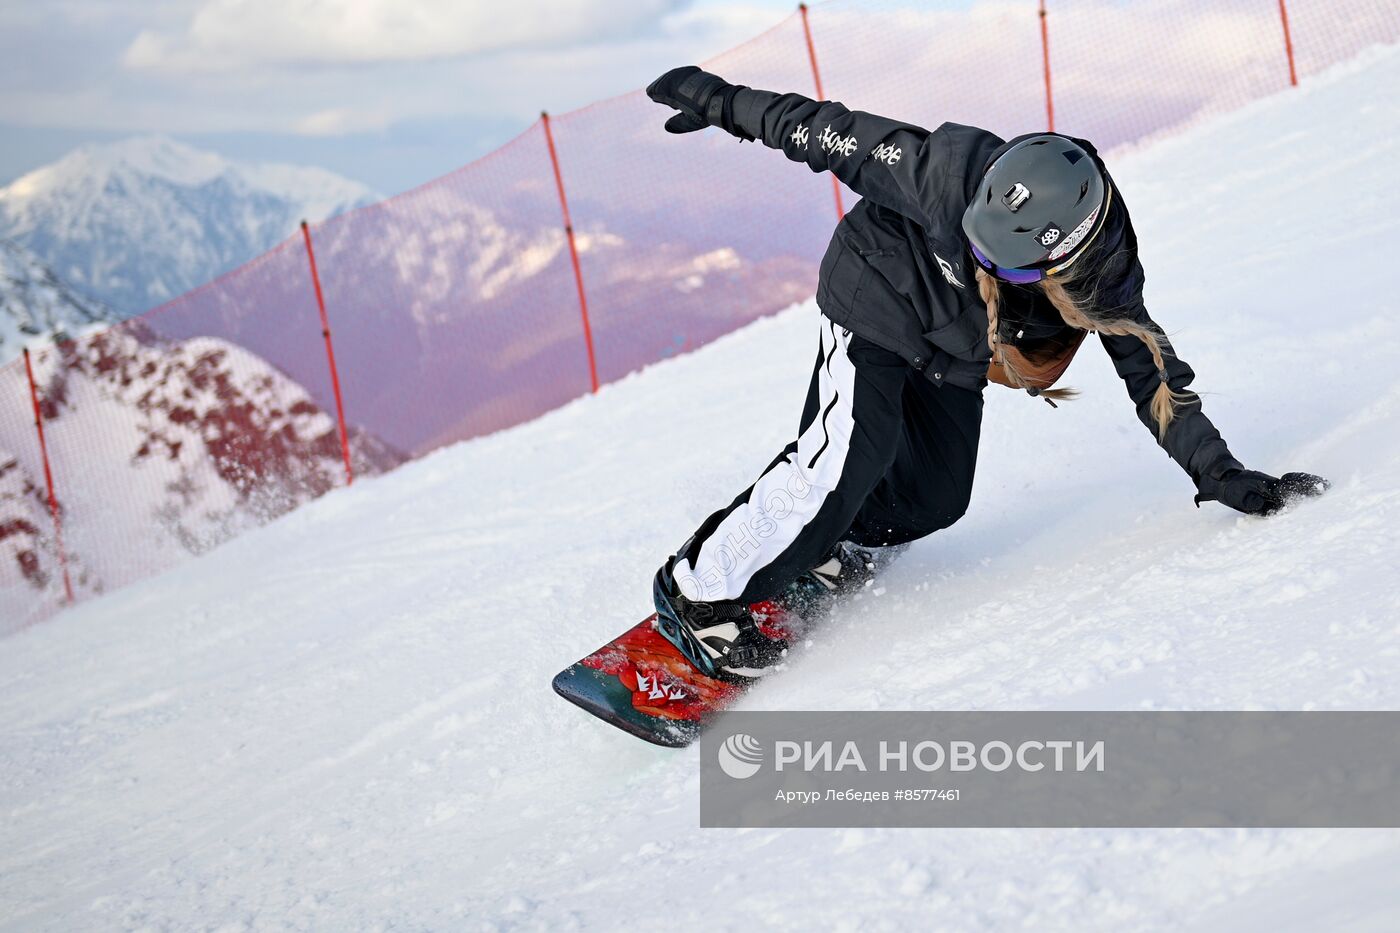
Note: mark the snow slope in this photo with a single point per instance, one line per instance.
(142, 220)
(162, 449)
(343, 719)
(167, 449)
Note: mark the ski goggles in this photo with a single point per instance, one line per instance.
(1028, 276)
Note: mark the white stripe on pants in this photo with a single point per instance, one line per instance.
(787, 497)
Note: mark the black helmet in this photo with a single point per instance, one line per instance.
(1037, 206)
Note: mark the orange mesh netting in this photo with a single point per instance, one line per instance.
(454, 306)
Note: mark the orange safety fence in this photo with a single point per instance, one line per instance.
(466, 306)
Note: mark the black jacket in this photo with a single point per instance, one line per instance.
(899, 272)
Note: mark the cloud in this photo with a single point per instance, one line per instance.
(232, 34)
(306, 73)
(342, 121)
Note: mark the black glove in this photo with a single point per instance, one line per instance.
(703, 100)
(1256, 493)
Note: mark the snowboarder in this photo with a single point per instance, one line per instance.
(968, 258)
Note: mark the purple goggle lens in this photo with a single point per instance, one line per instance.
(1013, 276)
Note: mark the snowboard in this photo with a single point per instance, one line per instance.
(640, 683)
(643, 684)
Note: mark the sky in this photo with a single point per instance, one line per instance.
(388, 92)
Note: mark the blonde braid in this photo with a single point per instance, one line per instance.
(1165, 400)
(1077, 314)
(991, 297)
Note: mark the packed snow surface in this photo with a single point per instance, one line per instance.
(343, 719)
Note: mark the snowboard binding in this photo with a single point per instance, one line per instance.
(725, 640)
(846, 569)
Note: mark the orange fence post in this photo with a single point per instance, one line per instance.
(48, 479)
(330, 356)
(821, 95)
(573, 250)
(1045, 56)
(1288, 42)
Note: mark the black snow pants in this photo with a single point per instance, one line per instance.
(883, 456)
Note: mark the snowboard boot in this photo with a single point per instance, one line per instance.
(846, 568)
(721, 639)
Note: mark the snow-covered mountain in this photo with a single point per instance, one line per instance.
(483, 310)
(35, 303)
(196, 440)
(140, 221)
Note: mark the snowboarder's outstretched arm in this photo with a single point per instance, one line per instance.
(896, 165)
(1191, 439)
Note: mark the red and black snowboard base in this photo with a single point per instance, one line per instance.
(641, 684)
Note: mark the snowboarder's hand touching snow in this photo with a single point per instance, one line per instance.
(703, 100)
(1256, 493)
